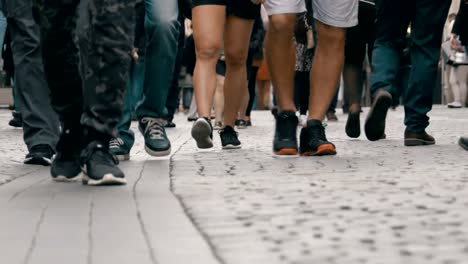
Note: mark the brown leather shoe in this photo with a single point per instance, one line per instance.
(418, 139)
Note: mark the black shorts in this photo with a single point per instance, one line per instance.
(240, 8)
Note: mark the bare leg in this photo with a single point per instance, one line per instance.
(219, 99)
(208, 27)
(281, 58)
(326, 69)
(236, 45)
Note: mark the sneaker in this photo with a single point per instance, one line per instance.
(313, 141)
(66, 164)
(119, 149)
(241, 124)
(285, 140)
(218, 125)
(170, 124)
(331, 116)
(100, 166)
(17, 120)
(455, 105)
(156, 141)
(418, 139)
(40, 155)
(302, 120)
(463, 142)
(353, 125)
(229, 139)
(375, 122)
(202, 132)
(248, 123)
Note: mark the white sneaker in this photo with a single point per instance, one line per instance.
(455, 104)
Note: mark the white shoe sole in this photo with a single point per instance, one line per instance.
(108, 179)
(157, 153)
(201, 132)
(229, 146)
(62, 178)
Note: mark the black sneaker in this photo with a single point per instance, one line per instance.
(202, 132)
(119, 149)
(170, 124)
(285, 141)
(17, 120)
(156, 141)
(314, 141)
(241, 124)
(66, 164)
(100, 167)
(229, 139)
(353, 125)
(463, 142)
(40, 155)
(375, 122)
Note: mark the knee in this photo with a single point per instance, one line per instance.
(282, 24)
(208, 52)
(331, 37)
(235, 58)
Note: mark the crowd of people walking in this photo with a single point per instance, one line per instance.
(83, 70)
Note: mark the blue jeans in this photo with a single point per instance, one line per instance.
(427, 18)
(131, 101)
(162, 33)
(3, 26)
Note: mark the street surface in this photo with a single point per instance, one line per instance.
(375, 202)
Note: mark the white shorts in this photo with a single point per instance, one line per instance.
(278, 7)
(337, 13)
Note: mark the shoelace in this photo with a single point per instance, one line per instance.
(98, 153)
(153, 127)
(317, 133)
(229, 134)
(116, 143)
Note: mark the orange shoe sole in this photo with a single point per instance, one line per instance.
(287, 152)
(323, 150)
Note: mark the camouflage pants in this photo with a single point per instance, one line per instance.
(86, 50)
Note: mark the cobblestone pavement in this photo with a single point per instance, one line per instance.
(373, 203)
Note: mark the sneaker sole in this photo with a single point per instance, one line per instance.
(201, 132)
(38, 161)
(229, 146)
(62, 178)
(375, 122)
(353, 125)
(286, 152)
(157, 153)
(123, 157)
(108, 179)
(414, 142)
(323, 150)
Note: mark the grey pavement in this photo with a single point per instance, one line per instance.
(373, 203)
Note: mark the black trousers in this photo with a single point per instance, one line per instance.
(87, 77)
(40, 123)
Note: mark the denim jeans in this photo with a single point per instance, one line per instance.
(131, 101)
(162, 32)
(427, 18)
(3, 26)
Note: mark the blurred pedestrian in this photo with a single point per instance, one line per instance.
(32, 93)
(88, 79)
(427, 20)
